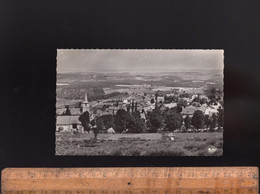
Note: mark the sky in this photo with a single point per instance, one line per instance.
(106, 60)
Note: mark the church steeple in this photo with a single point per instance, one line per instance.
(86, 97)
(85, 104)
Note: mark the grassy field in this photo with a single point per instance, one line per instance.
(150, 144)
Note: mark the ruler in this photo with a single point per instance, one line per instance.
(201, 180)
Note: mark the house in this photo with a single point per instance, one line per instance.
(75, 111)
(111, 130)
(60, 111)
(196, 104)
(171, 105)
(120, 104)
(187, 99)
(110, 111)
(194, 96)
(162, 107)
(100, 106)
(143, 115)
(160, 99)
(203, 108)
(189, 110)
(211, 111)
(67, 123)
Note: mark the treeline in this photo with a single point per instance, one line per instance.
(214, 94)
(131, 122)
(93, 94)
(123, 121)
(157, 120)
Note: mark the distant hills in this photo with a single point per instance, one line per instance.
(205, 75)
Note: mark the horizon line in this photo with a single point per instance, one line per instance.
(144, 71)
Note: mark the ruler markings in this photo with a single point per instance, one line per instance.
(137, 180)
(136, 173)
(147, 191)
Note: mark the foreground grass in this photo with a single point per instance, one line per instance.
(185, 144)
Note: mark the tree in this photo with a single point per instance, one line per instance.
(203, 101)
(165, 98)
(156, 95)
(182, 102)
(141, 124)
(197, 119)
(187, 121)
(128, 108)
(67, 111)
(105, 122)
(213, 122)
(172, 119)
(120, 120)
(169, 99)
(96, 132)
(78, 105)
(155, 120)
(136, 115)
(149, 126)
(183, 128)
(134, 123)
(179, 108)
(135, 106)
(196, 99)
(152, 101)
(124, 120)
(85, 121)
(220, 117)
(184, 95)
(212, 99)
(207, 121)
(93, 122)
(213, 91)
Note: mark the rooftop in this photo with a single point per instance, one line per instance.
(188, 110)
(67, 120)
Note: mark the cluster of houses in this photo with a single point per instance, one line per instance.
(141, 102)
(204, 108)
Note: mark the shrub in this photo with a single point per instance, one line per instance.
(60, 129)
(116, 152)
(202, 153)
(100, 152)
(194, 146)
(133, 152)
(212, 141)
(219, 144)
(175, 151)
(219, 152)
(220, 129)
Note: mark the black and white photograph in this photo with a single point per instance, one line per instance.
(129, 84)
(139, 102)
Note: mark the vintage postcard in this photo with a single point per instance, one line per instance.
(113, 102)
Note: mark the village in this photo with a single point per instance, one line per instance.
(197, 111)
(139, 103)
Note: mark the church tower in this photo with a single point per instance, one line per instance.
(85, 104)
